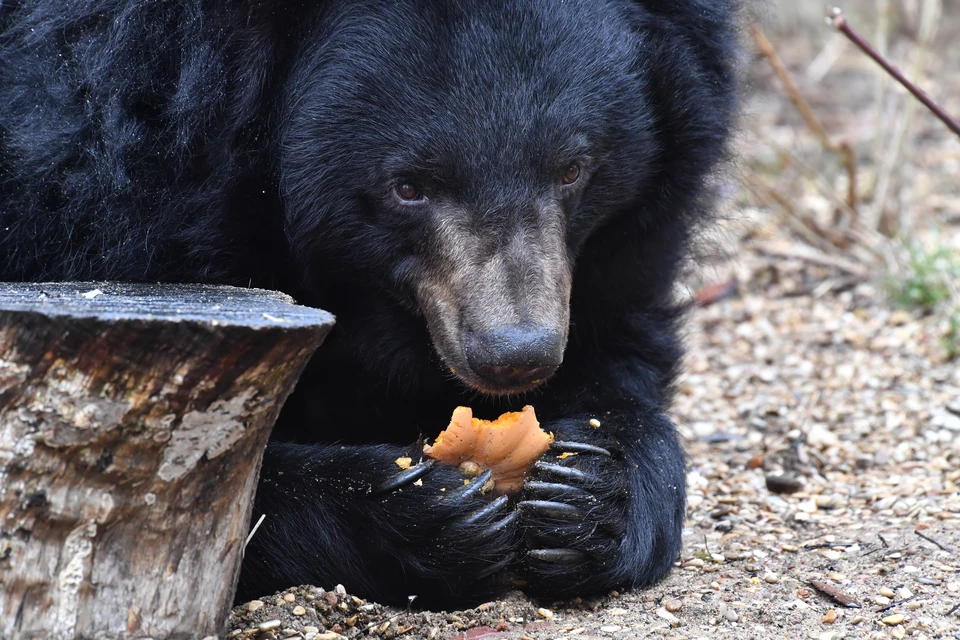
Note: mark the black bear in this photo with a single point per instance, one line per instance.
(493, 197)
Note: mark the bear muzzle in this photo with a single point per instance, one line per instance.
(513, 358)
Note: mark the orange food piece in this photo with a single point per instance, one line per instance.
(508, 446)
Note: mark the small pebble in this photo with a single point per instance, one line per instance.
(914, 605)
(827, 635)
(545, 613)
(830, 617)
(666, 615)
(771, 578)
(254, 605)
(881, 600)
(269, 625)
(289, 597)
(783, 484)
(856, 619)
(673, 605)
(894, 620)
(731, 615)
(832, 554)
(311, 629)
(886, 592)
(609, 628)
(904, 594)
(594, 423)
(299, 611)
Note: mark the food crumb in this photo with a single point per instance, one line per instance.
(594, 423)
(404, 463)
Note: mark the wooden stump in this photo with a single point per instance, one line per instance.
(132, 425)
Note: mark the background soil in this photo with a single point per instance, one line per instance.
(803, 375)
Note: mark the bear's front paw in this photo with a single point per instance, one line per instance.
(454, 540)
(573, 520)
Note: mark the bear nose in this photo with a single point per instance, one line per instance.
(514, 355)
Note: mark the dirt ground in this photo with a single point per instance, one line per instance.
(822, 421)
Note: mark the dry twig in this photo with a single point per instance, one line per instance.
(845, 599)
(842, 148)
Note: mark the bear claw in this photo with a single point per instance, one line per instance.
(566, 473)
(471, 487)
(558, 556)
(408, 476)
(579, 447)
(551, 509)
(557, 490)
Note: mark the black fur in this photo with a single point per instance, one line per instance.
(255, 143)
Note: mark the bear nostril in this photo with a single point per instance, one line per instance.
(514, 355)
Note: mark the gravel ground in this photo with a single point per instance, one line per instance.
(822, 422)
(841, 399)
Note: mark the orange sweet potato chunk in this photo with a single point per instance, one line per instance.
(508, 446)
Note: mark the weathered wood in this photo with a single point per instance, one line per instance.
(132, 425)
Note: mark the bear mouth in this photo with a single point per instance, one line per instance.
(496, 387)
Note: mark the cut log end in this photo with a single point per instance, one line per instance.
(132, 424)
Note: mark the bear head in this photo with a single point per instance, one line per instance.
(452, 157)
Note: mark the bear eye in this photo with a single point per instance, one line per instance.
(571, 175)
(408, 191)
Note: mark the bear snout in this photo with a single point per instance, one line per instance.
(512, 358)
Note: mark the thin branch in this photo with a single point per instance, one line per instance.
(839, 22)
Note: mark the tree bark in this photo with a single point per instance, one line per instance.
(133, 420)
